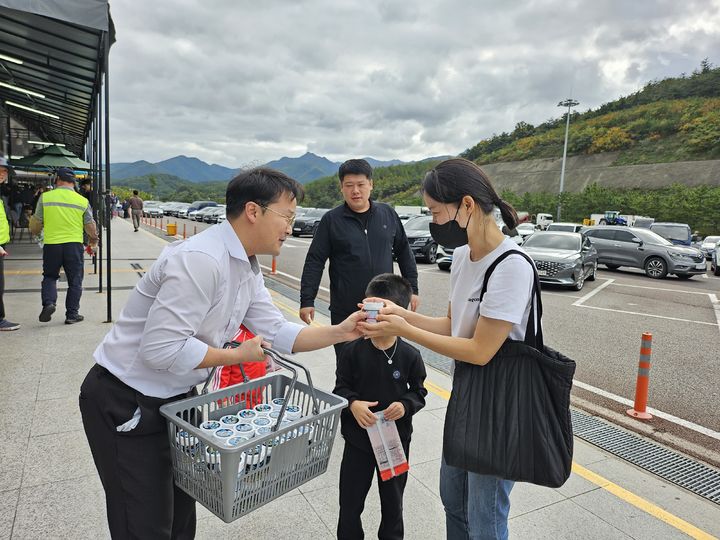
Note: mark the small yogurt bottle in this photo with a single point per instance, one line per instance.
(223, 434)
(187, 443)
(245, 429)
(229, 420)
(263, 409)
(247, 414)
(212, 458)
(277, 403)
(255, 457)
(293, 412)
(210, 427)
(261, 421)
(236, 440)
(372, 309)
(262, 431)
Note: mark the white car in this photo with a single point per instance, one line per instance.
(715, 261)
(709, 245)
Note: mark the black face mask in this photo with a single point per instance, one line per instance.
(451, 234)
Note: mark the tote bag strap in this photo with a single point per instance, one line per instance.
(533, 337)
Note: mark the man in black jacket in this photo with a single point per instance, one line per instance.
(359, 237)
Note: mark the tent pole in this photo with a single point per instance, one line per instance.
(106, 41)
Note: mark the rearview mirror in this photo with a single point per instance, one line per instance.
(637, 241)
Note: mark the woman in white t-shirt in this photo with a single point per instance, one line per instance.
(461, 200)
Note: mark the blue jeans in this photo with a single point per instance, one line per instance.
(476, 506)
(70, 257)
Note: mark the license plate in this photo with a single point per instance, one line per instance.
(702, 266)
(542, 272)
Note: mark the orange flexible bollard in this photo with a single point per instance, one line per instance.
(643, 380)
(161, 223)
(184, 237)
(194, 230)
(273, 270)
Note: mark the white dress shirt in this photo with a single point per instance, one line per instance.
(194, 296)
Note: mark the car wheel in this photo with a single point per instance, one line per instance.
(603, 222)
(432, 254)
(579, 283)
(655, 268)
(683, 276)
(612, 266)
(715, 269)
(591, 277)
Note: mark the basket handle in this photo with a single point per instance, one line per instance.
(287, 363)
(228, 345)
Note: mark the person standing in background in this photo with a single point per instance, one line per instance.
(136, 208)
(5, 325)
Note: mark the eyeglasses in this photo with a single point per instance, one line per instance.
(290, 220)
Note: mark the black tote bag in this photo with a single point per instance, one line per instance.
(511, 417)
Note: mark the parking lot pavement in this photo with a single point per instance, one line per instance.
(49, 487)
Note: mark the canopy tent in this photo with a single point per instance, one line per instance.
(60, 46)
(53, 156)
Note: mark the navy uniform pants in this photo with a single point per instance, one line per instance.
(69, 257)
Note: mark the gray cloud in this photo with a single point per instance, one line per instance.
(235, 82)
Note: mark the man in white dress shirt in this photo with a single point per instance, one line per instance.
(170, 335)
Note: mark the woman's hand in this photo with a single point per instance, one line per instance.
(386, 325)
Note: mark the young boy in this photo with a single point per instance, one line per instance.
(383, 374)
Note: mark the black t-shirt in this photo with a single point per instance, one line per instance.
(363, 217)
(363, 373)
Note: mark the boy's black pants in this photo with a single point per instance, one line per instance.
(356, 474)
(134, 466)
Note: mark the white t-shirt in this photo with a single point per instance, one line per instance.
(507, 297)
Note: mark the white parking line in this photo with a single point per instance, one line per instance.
(647, 315)
(592, 293)
(657, 288)
(291, 277)
(660, 414)
(716, 307)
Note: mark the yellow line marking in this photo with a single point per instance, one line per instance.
(621, 493)
(642, 504)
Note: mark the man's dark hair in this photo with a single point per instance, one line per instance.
(135, 191)
(355, 166)
(391, 287)
(260, 185)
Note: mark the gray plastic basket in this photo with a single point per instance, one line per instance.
(274, 464)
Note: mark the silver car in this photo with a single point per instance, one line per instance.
(562, 258)
(640, 248)
(708, 246)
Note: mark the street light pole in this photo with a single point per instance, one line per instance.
(569, 103)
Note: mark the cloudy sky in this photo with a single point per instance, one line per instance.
(238, 82)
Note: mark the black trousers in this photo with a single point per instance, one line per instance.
(2, 284)
(70, 258)
(134, 466)
(356, 473)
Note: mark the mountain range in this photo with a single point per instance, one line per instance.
(304, 169)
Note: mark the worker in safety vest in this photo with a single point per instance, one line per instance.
(5, 325)
(63, 214)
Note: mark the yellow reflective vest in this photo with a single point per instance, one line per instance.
(4, 225)
(63, 216)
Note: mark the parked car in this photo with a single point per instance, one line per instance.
(563, 258)
(644, 222)
(715, 261)
(195, 206)
(417, 230)
(200, 214)
(677, 233)
(564, 227)
(152, 209)
(445, 262)
(210, 215)
(708, 246)
(635, 247)
(525, 230)
(309, 222)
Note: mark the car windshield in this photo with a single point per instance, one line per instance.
(711, 240)
(672, 232)
(315, 213)
(559, 227)
(418, 223)
(553, 241)
(649, 236)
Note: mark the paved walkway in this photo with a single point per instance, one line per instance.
(49, 487)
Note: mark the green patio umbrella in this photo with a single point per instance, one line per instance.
(52, 157)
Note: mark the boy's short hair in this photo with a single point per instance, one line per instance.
(355, 166)
(392, 287)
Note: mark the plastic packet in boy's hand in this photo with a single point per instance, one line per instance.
(387, 447)
(372, 309)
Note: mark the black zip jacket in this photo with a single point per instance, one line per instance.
(363, 373)
(356, 255)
